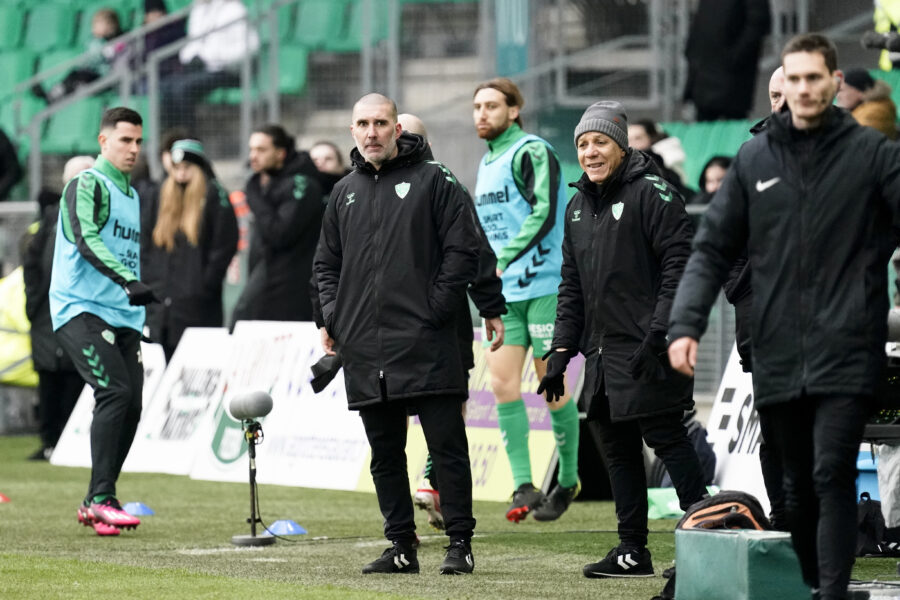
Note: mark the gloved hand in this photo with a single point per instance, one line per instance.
(139, 293)
(646, 364)
(554, 381)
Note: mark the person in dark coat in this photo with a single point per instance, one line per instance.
(627, 239)
(10, 169)
(285, 197)
(59, 384)
(815, 200)
(187, 247)
(397, 251)
(722, 52)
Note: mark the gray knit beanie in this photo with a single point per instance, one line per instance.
(606, 116)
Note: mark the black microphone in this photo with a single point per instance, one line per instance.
(250, 406)
(881, 41)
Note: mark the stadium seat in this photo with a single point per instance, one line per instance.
(284, 19)
(351, 39)
(12, 20)
(177, 4)
(292, 68)
(74, 128)
(53, 58)
(318, 22)
(15, 67)
(49, 25)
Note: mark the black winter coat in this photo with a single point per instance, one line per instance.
(817, 212)
(397, 250)
(722, 51)
(37, 262)
(188, 280)
(287, 217)
(625, 246)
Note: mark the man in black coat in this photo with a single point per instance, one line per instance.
(286, 201)
(397, 250)
(722, 51)
(815, 199)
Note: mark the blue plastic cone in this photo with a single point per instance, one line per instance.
(137, 509)
(285, 527)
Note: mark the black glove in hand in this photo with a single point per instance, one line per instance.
(554, 381)
(646, 364)
(139, 293)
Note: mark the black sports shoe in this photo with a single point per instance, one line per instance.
(525, 499)
(399, 558)
(557, 502)
(458, 559)
(622, 562)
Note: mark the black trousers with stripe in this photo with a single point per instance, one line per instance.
(109, 360)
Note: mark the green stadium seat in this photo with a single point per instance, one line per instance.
(15, 67)
(351, 39)
(284, 18)
(318, 22)
(74, 128)
(12, 21)
(292, 69)
(177, 4)
(49, 25)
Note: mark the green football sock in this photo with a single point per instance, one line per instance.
(100, 498)
(513, 422)
(566, 431)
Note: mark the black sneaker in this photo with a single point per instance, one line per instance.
(399, 558)
(458, 559)
(524, 500)
(622, 562)
(557, 502)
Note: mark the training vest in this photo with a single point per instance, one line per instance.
(502, 211)
(76, 286)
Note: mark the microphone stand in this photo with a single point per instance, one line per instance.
(252, 432)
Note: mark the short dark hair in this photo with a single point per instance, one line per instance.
(812, 42)
(509, 90)
(113, 116)
(653, 131)
(333, 146)
(718, 161)
(280, 137)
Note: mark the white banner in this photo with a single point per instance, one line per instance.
(74, 446)
(189, 392)
(311, 440)
(734, 433)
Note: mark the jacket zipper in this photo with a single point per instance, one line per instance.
(376, 234)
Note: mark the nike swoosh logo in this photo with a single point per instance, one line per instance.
(762, 186)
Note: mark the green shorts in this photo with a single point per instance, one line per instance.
(529, 323)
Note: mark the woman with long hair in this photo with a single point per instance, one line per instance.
(187, 247)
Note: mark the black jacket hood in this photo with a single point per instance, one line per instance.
(411, 148)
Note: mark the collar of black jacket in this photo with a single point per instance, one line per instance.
(836, 122)
(411, 149)
(635, 164)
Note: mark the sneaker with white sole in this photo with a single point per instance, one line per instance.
(399, 558)
(87, 519)
(110, 512)
(622, 562)
(430, 501)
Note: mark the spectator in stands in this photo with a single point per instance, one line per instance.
(869, 101)
(665, 150)
(154, 10)
(330, 163)
(219, 39)
(106, 55)
(886, 19)
(722, 52)
(627, 238)
(10, 169)
(814, 188)
(711, 178)
(285, 198)
(394, 325)
(520, 200)
(191, 242)
(97, 307)
(59, 384)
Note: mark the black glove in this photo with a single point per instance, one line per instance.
(554, 381)
(324, 371)
(139, 293)
(646, 364)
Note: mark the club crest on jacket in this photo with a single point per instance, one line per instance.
(617, 210)
(402, 189)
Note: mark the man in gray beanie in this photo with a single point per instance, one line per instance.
(627, 239)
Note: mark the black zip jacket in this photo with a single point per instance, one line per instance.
(188, 280)
(397, 250)
(287, 216)
(817, 211)
(625, 246)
